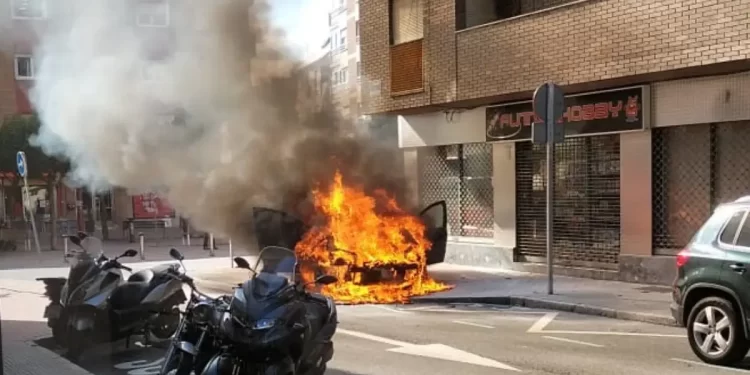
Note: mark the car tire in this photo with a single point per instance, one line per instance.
(714, 317)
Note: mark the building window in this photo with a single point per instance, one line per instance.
(152, 14)
(24, 67)
(342, 38)
(29, 9)
(356, 29)
(407, 20)
(470, 13)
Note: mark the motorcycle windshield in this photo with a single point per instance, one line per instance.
(81, 269)
(277, 260)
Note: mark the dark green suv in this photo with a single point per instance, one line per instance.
(712, 290)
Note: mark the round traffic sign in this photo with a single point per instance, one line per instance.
(21, 163)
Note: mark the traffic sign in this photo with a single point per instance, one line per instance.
(549, 106)
(21, 163)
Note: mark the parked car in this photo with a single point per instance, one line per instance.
(711, 293)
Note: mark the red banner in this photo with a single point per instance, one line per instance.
(151, 206)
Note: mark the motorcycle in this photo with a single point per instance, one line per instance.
(197, 336)
(274, 324)
(95, 304)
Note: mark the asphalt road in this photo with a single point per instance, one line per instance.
(478, 340)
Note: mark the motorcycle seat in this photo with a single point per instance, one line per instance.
(142, 276)
(130, 294)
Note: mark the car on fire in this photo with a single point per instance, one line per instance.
(278, 228)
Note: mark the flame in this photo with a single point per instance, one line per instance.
(377, 251)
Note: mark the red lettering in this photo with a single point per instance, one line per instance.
(588, 112)
(575, 113)
(601, 111)
(615, 110)
(515, 121)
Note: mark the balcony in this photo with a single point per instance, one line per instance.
(406, 68)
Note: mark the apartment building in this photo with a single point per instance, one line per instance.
(656, 122)
(345, 62)
(21, 21)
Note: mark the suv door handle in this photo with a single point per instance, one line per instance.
(737, 267)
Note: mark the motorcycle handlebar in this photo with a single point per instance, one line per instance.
(126, 268)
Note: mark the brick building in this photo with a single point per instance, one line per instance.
(658, 113)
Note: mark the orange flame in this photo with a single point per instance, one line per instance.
(377, 251)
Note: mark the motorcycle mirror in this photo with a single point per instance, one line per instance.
(242, 263)
(129, 253)
(176, 254)
(326, 279)
(75, 240)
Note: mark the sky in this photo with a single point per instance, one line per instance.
(305, 22)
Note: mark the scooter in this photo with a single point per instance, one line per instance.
(94, 304)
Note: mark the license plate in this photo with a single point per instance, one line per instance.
(52, 311)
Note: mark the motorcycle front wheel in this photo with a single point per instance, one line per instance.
(180, 364)
(164, 327)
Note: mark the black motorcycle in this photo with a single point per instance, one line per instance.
(197, 338)
(95, 304)
(274, 325)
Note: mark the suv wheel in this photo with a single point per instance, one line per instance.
(715, 332)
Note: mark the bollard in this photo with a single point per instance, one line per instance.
(211, 243)
(231, 261)
(143, 248)
(65, 248)
(188, 236)
(131, 231)
(184, 240)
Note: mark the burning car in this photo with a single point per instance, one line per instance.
(379, 252)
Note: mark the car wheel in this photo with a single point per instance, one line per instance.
(715, 332)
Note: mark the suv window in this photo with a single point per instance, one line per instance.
(744, 238)
(708, 232)
(727, 235)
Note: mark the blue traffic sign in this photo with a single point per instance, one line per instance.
(21, 163)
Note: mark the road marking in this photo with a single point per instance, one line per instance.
(542, 322)
(473, 324)
(689, 362)
(573, 341)
(437, 351)
(612, 333)
(391, 309)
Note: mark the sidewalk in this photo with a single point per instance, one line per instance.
(618, 300)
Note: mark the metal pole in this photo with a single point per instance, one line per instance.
(188, 234)
(143, 247)
(550, 120)
(231, 262)
(211, 243)
(65, 248)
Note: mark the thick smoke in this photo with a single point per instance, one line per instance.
(245, 135)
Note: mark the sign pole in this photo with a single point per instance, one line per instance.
(550, 125)
(22, 167)
(549, 102)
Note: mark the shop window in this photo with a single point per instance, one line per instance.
(461, 175)
(470, 13)
(24, 67)
(406, 21)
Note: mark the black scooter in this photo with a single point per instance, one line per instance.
(94, 304)
(274, 325)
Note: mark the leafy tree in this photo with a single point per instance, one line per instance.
(15, 132)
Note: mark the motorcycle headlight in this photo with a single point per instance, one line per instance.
(264, 324)
(202, 312)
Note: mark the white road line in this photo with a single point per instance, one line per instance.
(610, 333)
(370, 337)
(391, 309)
(473, 324)
(709, 365)
(573, 341)
(542, 322)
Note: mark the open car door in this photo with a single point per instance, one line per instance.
(435, 217)
(277, 228)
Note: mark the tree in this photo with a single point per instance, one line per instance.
(15, 132)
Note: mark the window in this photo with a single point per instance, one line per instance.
(342, 38)
(152, 14)
(344, 75)
(24, 67)
(470, 13)
(356, 29)
(743, 239)
(727, 235)
(29, 9)
(407, 20)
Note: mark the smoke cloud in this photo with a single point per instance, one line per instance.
(245, 136)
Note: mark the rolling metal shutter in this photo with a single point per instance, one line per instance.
(586, 223)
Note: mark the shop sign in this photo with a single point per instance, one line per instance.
(585, 114)
(151, 206)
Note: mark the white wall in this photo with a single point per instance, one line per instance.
(441, 128)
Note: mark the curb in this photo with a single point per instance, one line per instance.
(539, 303)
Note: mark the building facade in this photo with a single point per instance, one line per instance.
(345, 60)
(656, 113)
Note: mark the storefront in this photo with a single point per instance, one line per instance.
(586, 224)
